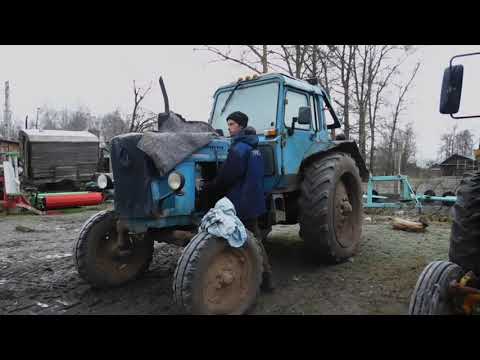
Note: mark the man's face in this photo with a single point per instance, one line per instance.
(233, 128)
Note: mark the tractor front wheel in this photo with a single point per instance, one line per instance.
(331, 208)
(97, 257)
(213, 278)
(430, 296)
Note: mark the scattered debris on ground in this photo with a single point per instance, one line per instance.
(407, 225)
(23, 228)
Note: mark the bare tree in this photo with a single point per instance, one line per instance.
(341, 58)
(379, 79)
(368, 63)
(138, 122)
(78, 120)
(398, 108)
(253, 57)
(453, 142)
(49, 118)
(464, 143)
(360, 74)
(403, 149)
(408, 147)
(291, 59)
(112, 125)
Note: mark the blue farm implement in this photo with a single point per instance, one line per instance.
(406, 194)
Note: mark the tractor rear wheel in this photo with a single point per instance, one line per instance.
(213, 278)
(96, 253)
(430, 296)
(465, 235)
(331, 208)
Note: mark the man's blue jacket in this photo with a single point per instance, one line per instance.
(240, 178)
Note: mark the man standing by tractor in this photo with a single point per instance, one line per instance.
(240, 179)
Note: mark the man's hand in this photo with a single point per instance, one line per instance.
(200, 184)
(203, 185)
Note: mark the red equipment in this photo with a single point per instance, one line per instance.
(15, 201)
(65, 201)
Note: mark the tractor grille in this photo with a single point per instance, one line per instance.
(133, 172)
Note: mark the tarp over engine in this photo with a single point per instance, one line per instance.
(175, 140)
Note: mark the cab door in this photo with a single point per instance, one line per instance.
(295, 146)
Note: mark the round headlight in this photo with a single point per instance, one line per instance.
(102, 181)
(176, 181)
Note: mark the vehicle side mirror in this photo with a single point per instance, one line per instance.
(451, 89)
(304, 115)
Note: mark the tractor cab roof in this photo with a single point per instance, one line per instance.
(282, 78)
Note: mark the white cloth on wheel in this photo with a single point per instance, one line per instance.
(222, 221)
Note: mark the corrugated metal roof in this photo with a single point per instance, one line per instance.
(2, 139)
(35, 135)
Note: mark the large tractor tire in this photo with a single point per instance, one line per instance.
(430, 296)
(331, 208)
(465, 234)
(213, 278)
(96, 255)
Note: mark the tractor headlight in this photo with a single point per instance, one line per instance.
(176, 181)
(102, 181)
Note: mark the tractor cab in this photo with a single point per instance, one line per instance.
(294, 119)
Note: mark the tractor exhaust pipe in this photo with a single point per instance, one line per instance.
(163, 116)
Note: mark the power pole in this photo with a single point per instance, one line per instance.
(7, 114)
(36, 123)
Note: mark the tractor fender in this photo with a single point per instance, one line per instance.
(346, 146)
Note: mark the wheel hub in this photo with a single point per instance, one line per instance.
(227, 281)
(225, 278)
(114, 259)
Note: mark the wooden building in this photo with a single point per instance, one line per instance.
(7, 145)
(457, 165)
(52, 156)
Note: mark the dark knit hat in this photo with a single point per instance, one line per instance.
(239, 117)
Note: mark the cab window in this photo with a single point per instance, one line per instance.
(295, 100)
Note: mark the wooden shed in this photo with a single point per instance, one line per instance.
(457, 165)
(51, 156)
(7, 145)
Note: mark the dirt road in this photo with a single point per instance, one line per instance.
(38, 276)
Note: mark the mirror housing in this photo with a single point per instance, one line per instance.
(451, 89)
(304, 115)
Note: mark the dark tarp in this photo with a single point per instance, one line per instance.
(175, 140)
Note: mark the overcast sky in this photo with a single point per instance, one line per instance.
(100, 78)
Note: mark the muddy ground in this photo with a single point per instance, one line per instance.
(38, 276)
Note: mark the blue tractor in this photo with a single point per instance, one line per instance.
(311, 177)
